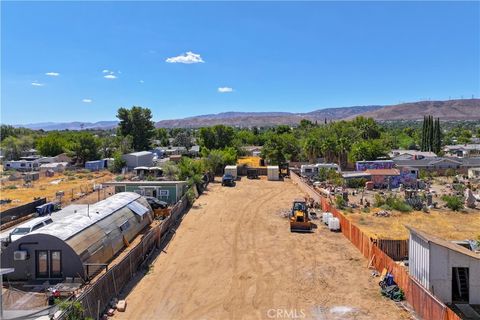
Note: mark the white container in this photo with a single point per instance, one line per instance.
(326, 216)
(231, 170)
(273, 173)
(334, 224)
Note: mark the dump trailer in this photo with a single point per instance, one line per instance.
(299, 218)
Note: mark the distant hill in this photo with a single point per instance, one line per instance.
(465, 109)
(259, 119)
(50, 126)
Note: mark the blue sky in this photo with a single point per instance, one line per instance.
(81, 61)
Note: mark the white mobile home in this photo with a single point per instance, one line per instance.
(21, 165)
(448, 270)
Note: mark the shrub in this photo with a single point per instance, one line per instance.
(356, 183)
(366, 210)
(398, 204)
(378, 200)
(340, 202)
(453, 202)
(11, 187)
(119, 178)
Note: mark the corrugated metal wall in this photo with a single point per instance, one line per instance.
(419, 260)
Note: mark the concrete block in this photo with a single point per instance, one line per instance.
(122, 305)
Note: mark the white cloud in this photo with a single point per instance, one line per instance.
(52, 74)
(225, 89)
(37, 84)
(87, 100)
(141, 81)
(110, 76)
(105, 71)
(187, 58)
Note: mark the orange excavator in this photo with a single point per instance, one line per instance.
(299, 218)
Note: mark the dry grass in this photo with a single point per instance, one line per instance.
(72, 185)
(445, 224)
(250, 161)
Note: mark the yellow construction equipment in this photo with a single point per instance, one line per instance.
(299, 218)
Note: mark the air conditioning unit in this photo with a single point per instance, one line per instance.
(20, 255)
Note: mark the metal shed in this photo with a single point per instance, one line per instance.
(232, 169)
(82, 240)
(138, 159)
(448, 270)
(273, 173)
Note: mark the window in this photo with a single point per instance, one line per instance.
(55, 264)
(124, 226)
(42, 264)
(119, 189)
(22, 164)
(37, 226)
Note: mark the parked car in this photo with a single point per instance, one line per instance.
(29, 226)
(228, 180)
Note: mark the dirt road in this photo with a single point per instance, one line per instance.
(233, 257)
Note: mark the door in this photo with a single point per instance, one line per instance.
(460, 285)
(55, 264)
(41, 264)
(48, 264)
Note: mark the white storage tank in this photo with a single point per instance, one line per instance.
(231, 170)
(273, 173)
(334, 224)
(326, 216)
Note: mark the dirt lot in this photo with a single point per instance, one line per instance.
(73, 184)
(448, 225)
(442, 222)
(233, 257)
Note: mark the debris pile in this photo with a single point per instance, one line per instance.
(383, 213)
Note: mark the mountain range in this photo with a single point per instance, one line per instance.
(464, 109)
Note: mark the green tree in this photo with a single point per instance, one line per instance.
(14, 147)
(118, 163)
(367, 126)
(216, 160)
(52, 144)
(85, 147)
(312, 147)
(368, 150)
(107, 146)
(216, 137)
(137, 123)
(161, 134)
(183, 139)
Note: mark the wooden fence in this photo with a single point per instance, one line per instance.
(20, 211)
(95, 298)
(423, 302)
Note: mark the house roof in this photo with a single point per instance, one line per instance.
(471, 146)
(54, 164)
(383, 172)
(74, 223)
(143, 183)
(355, 174)
(444, 243)
(140, 153)
(399, 152)
(252, 148)
(426, 162)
